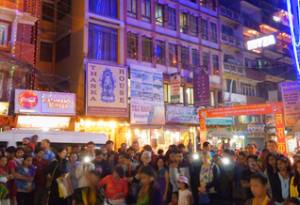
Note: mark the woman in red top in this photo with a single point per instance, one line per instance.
(116, 187)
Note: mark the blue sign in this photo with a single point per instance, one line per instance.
(219, 121)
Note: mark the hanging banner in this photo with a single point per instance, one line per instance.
(181, 114)
(106, 91)
(147, 96)
(175, 83)
(291, 101)
(44, 103)
(201, 87)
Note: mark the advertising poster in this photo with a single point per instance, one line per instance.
(106, 92)
(201, 87)
(181, 114)
(291, 101)
(147, 96)
(44, 103)
(175, 83)
(4, 108)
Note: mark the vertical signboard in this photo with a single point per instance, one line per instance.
(201, 87)
(147, 98)
(106, 91)
(175, 83)
(291, 101)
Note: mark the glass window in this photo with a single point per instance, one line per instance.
(206, 60)
(146, 9)
(173, 55)
(147, 49)
(204, 29)
(132, 45)
(131, 8)
(193, 25)
(159, 14)
(167, 93)
(3, 34)
(216, 65)
(64, 8)
(103, 43)
(189, 96)
(172, 18)
(231, 86)
(185, 57)
(160, 52)
(107, 8)
(48, 11)
(63, 48)
(214, 35)
(183, 23)
(195, 57)
(181, 95)
(210, 4)
(46, 51)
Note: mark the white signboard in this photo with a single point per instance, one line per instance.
(261, 42)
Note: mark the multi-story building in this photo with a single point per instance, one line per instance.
(171, 37)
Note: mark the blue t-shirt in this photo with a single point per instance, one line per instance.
(22, 185)
(49, 155)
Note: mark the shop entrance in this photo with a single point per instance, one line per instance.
(255, 109)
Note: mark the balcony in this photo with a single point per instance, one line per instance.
(230, 13)
(235, 98)
(234, 68)
(231, 40)
(255, 75)
(249, 22)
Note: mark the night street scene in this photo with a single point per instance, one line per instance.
(149, 102)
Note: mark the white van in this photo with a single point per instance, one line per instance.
(12, 137)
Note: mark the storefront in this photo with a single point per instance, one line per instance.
(44, 110)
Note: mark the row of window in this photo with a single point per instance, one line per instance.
(245, 88)
(63, 8)
(160, 51)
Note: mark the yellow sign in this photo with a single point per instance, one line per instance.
(4, 108)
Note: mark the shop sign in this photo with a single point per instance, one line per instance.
(291, 101)
(175, 83)
(261, 42)
(147, 96)
(201, 87)
(44, 103)
(220, 121)
(279, 123)
(256, 128)
(181, 114)
(106, 91)
(4, 108)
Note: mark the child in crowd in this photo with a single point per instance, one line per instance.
(184, 194)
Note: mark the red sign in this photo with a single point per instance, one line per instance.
(28, 99)
(201, 87)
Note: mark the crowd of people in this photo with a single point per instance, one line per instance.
(34, 173)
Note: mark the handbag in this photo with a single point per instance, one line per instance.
(65, 188)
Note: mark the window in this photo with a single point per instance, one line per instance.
(160, 52)
(63, 8)
(185, 57)
(167, 93)
(63, 48)
(132, 45)
(103, 43)
(46, 50)
(204, 29)
(214, 35)
(48, 11)
(3, 34)
(131, 7)
(216, 66)
(159, 14)
(210, 4)
(183, 23)
(107, 8)
(146, 9)
(22, 33)
(147, 49)
(248, 89)
(193, 25)
(206, 60)
(189, 96)
(195, 57)
(231, 86)
(173, 55)
(172, 18)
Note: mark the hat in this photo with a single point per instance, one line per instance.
(183, 179)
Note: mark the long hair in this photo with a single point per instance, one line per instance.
(149, 171)
(268, 167)
(296, 181)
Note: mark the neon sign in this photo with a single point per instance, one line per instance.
(293, 7)
(261, 42)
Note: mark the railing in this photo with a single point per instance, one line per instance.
(231, 40)
(230, 13)
(234, 68)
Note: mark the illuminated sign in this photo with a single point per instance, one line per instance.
(261, 42)
(294, 20)
(4, 108)
(44, 103)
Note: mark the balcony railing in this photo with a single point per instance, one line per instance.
(234, 68)
(231, 40)
(230, 13)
